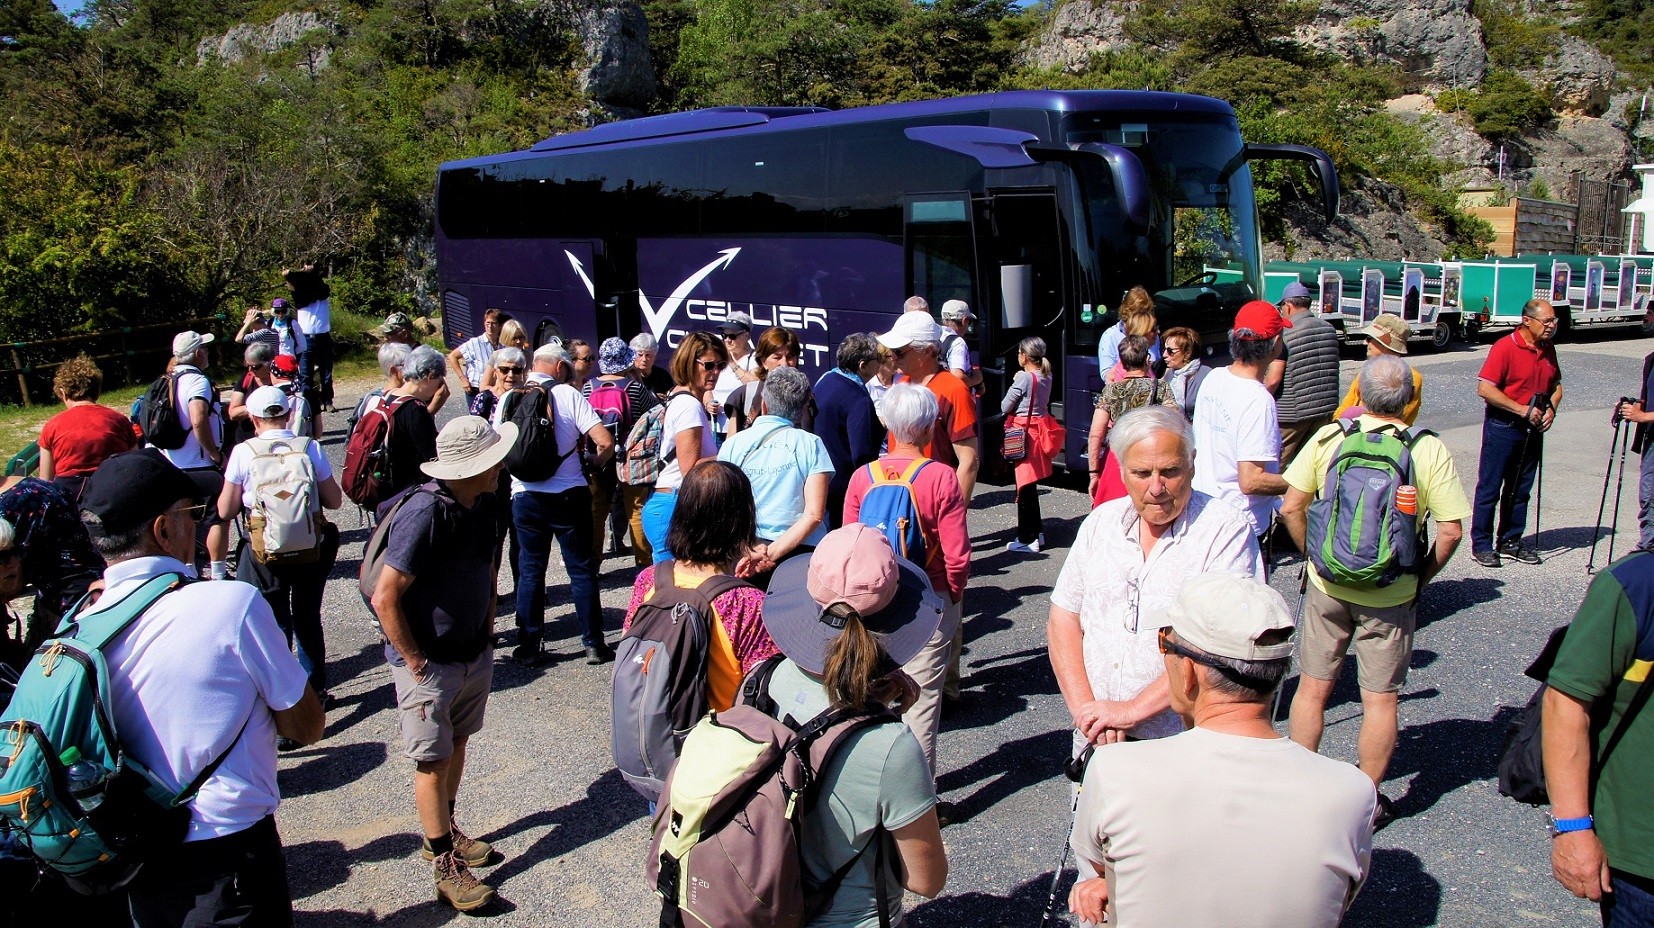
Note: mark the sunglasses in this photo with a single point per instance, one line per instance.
(258, 367)
(509, 370)
(9, 555)
(710, 366)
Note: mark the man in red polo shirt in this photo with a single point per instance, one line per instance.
(1521, 384)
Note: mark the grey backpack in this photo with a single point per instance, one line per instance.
(660, 681)
(725, 846)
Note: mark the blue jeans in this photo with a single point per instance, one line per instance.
(317, 361)
(567, 517)
(1504, 481)
(1631, 904)
(657, 517)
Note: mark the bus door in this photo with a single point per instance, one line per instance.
(1026, 294)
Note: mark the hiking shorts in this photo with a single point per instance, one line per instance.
(1382, 637)
(446, 704)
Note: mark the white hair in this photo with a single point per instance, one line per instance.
(909, 412)
(1139, 424)
(552, 350)
(643, 341)
(8, 535)
(424, 363)
(392, 355)
(508, 355)
(1386, 385)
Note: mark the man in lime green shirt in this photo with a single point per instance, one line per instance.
(1378, 619)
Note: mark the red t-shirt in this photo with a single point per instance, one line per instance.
(1519, 369)
(955, 417)
(80, 438)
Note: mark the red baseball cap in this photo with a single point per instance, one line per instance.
(1262, 318)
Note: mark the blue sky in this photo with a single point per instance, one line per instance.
(69, 7)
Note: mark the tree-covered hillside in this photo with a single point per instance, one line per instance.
(168, 157)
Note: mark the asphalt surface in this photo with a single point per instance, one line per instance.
(572, 837)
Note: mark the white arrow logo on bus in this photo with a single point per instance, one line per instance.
(581, 270)
(659, 318)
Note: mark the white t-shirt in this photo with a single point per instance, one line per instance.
(1205, 828)
(237, 468)
(194, 385)
(1235, 421)
(183, 679)
(683, 411)
(316, 318)
(572, 416)
(730, 378)
(292, 338)
(959, 353)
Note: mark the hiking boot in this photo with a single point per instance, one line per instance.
(458, 886)
(599, 654)
(1486, 558)
(471, 851)
(1517, 551)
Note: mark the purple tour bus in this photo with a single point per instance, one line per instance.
(1038, 208)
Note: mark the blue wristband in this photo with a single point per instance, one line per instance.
(1562, 826)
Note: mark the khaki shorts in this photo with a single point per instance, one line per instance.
(446, 704)
(1383, 637)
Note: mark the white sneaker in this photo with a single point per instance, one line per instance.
(1032, 547)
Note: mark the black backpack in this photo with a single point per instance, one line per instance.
(660, 680)
(534, 456)
(157, 414)
(1522, 758)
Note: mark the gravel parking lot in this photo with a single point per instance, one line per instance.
(541, 786)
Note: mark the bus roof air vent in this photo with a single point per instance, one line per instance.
(658, 127)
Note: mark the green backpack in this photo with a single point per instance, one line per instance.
(1356, 535)
(62, 708)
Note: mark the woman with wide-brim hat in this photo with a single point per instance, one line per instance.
(846, 618)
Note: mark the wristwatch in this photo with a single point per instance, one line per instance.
(1562, 826)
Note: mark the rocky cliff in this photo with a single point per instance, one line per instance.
(1435, 46)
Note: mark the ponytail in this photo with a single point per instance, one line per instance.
(856, 672)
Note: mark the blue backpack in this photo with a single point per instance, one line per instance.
(98, 835)
(890, 506)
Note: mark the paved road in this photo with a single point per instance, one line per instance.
(540, 783)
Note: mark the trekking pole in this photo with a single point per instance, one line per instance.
(1540, 402)
(1619, 488)
(1602, 505)
(1075, 770)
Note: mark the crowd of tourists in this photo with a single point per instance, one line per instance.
(793, 635)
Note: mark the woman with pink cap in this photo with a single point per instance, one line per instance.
(846, 618)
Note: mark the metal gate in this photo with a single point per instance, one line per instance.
(1601, 225)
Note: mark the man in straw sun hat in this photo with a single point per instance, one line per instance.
(1152, 813)
(435, 602)
(846, 618)
(1388, 334)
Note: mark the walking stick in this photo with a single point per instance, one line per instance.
(1607, 476)
(1540, 402)
(1619, 488)
(1075, 770)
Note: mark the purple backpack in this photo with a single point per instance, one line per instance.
(725, 849)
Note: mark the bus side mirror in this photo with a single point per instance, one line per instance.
(1016, 296)
(1320, 164)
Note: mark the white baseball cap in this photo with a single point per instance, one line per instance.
(956, 309)
(185, 344)
(268, 403)
(1231, 615)
(910, 328)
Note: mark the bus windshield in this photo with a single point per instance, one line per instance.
(1202, 239)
